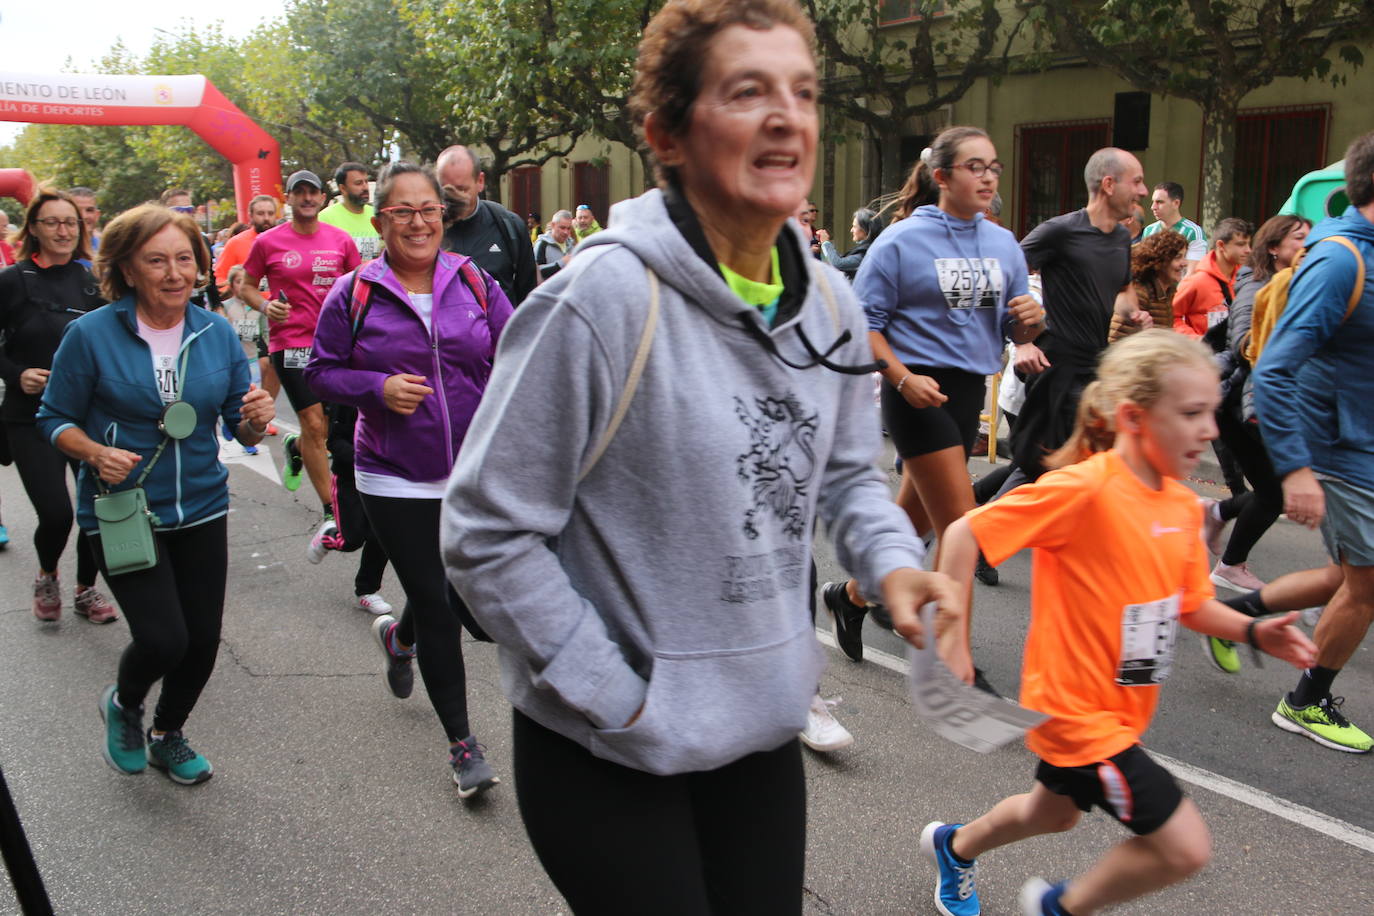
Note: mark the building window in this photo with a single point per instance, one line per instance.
(592, 186)
(895, 12)
(525, 190)
(1274, 148)
(1049, 169)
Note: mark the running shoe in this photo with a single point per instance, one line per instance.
(173, 756)
(1221, 652)
(272, 429)
(400, 673)
(224, 431)
(1238, 577)
(1311, 616)
(250, 449)
(955, 894)
(881, 616)
(1040, 898)
(47, 598)
(849, 620)
(291, 467)
(320, 543)
(123, 747)
(1324, 723)
(823, 732)
(980, 681)
(4, 537)
(374, 604)
(985, 572)
(471, 772)
(1213, 528)
(93, 605)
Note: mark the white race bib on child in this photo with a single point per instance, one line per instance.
(1148, 633)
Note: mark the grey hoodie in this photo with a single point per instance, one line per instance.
(673, 579)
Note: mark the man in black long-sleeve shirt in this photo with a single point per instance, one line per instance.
(487, 232)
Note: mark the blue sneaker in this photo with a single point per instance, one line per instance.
(174, 756)
(250, 449)
(955, 894)
(4, 537)
(123, 745)
(1040, 898)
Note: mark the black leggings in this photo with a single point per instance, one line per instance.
(356, 532)
(408, 530)
(620, 841)
(1260, 509)
(174, 612)
(43, 471)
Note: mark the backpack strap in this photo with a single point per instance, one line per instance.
(472, 277)
(646, 340)
(359, 301)
(1358, 291)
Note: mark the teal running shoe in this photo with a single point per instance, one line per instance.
(123, 746)
(173, 756)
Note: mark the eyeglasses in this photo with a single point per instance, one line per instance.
(402, 215)
(977, 167)
(52, 222)
(182, 209)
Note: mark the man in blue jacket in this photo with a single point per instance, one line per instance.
(1313, 391)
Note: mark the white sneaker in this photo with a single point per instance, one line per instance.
(1311, 616)
(374, 604)
(1213, 528)
(1238, 577)
(319, 544)
(823, 732)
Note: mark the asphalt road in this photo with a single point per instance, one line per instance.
(330, 796)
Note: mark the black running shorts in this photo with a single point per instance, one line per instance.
(1130, 786)
(917, 431)
(293, 383)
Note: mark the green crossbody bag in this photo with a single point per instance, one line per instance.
(126, 524)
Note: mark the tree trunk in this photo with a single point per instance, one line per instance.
(646, 162)
(828, 124)
(1218, 159)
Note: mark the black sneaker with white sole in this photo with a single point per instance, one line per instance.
(471, 772)
(400, 670)
(849, 619)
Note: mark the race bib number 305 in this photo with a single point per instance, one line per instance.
(1148, 633)
(970, 282)
(295, 357)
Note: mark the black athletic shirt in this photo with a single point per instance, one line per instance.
(1082, 269)
(36, 305)
(498, 241)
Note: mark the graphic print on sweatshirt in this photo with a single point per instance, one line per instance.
(780, 464)
(961, 279)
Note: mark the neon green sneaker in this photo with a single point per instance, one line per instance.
(291, 467)
(1222, 653)
(1324, 723)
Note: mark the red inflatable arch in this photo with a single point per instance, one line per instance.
(192, 101)
(17, 183)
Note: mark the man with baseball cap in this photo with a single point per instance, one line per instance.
(300, 259)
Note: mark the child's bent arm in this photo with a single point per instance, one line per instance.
(1274, 635)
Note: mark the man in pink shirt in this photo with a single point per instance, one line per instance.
(301, 260)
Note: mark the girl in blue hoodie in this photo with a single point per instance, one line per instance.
(943, 289)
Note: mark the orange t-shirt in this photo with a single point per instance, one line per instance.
(1116, 563)
(235, 251)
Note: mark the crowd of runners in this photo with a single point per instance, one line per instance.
(607, 451)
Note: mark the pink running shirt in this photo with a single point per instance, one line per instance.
(304, 267)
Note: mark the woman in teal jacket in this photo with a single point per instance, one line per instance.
(119, 371)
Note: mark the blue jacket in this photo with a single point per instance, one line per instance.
(1313, 385)
(454, 356)
(102, 382)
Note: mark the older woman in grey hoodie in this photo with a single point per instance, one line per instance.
(633, 507)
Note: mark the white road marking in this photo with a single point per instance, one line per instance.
(1259, 799)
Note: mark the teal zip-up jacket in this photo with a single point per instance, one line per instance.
(102, 382)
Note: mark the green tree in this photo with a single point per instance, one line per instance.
(879, 77)
(1212, 52)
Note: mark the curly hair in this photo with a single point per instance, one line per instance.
(669, 63)
(1153, 255)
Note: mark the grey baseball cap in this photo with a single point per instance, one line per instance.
(304, 176)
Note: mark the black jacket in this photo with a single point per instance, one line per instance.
(36, 305)
(498, 241)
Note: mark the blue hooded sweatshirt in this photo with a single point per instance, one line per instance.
(1313, 385)
(937, 288)
(102, 382)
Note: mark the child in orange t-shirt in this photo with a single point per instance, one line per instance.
(1118, 563)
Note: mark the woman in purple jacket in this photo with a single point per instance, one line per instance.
(408, 339)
